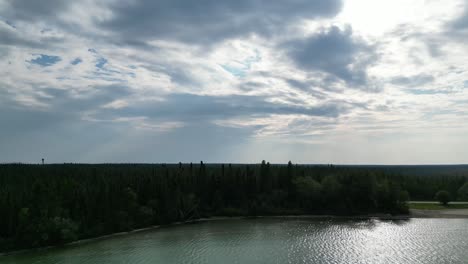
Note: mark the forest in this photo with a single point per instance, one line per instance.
(43, 205)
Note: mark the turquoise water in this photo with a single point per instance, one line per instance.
(275, 241)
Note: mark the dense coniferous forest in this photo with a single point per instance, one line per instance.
(53, 204)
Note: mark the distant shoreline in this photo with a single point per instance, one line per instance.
(447, 214)
(414, 214)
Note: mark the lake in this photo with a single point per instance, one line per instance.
(274, 240)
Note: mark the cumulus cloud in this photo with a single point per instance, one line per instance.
(12, 36)
(33, 10)
(335, 52)
(210, 21)
(221, 77)
(461, 22)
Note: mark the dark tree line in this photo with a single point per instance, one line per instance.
(51, 204)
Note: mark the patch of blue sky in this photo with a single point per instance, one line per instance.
(106, 73)
(45, 60)
(76, 61)
(244, 67)
(101, 62)
(465, 84)
(238, 72)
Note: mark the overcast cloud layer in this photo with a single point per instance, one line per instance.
(356, 81)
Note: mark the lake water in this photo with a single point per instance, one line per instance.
(275, 241)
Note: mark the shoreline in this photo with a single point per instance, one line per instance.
(413, 214)
(443, 214)
(118, 234)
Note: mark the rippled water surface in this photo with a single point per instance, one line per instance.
(275, 241)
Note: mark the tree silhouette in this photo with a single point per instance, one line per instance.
(443, 197)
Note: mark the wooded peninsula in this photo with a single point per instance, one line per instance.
(43, 205)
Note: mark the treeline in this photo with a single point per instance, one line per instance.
(424, 188)
(51, 204)
(424, 181)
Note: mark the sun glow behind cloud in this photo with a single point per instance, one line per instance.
(377, 17)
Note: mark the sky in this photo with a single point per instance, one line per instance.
(342, 82)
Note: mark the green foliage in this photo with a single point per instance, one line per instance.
(308, 191)
(403, 199)
(331, 188)
(229, 211)
(436, 206)
(145, 216)
(54, 204)
(307, 187)
(443, 197)
(41, 232)
(427, 206)
(63, 230)
(463, 192)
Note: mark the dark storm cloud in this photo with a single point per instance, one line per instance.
(203, 22)
(65, 107)
(34, 10)
(57, 132)
(57, 136)
(191, 107)
(333, 51)
(10, 37)
(63, 119)
(62, 100)
(21, 119)
(210, 21)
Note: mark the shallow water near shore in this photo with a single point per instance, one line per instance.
(274, 240)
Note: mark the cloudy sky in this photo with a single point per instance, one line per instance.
(354, 81)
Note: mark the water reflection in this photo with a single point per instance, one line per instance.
(277, 241)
